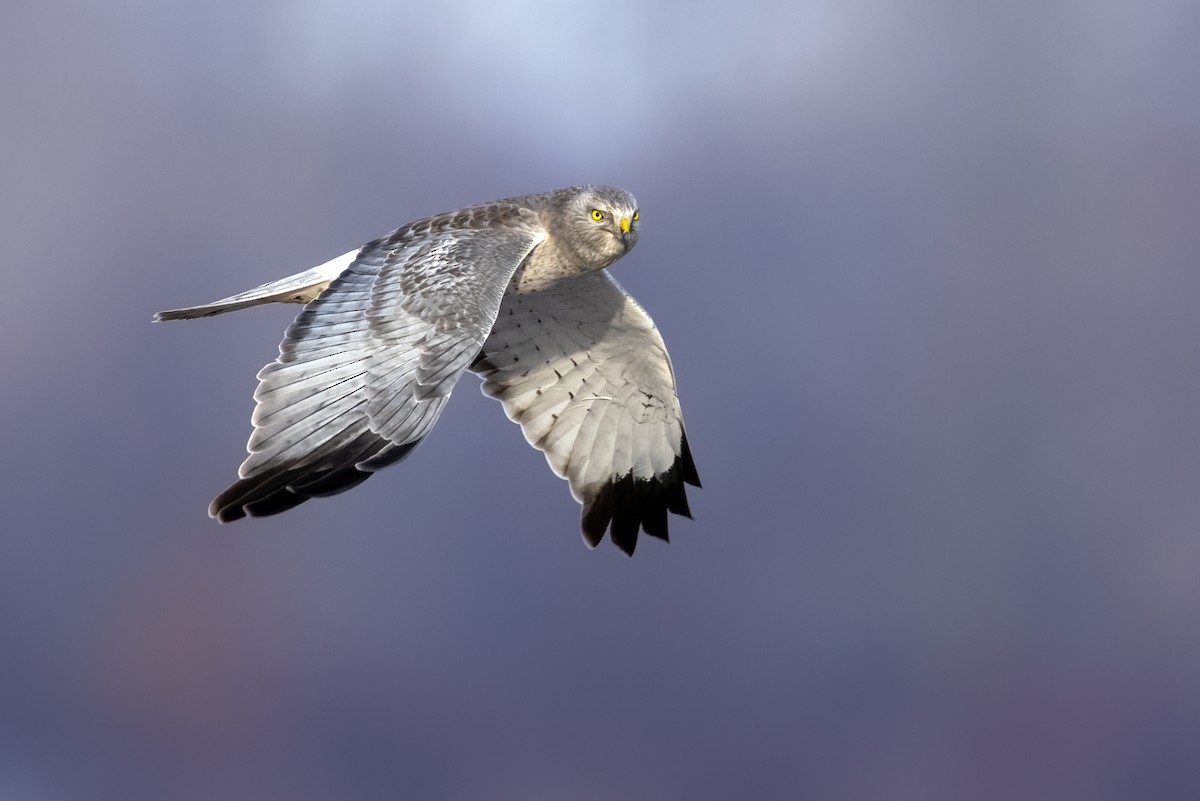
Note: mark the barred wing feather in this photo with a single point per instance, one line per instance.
(582, 369)
(365, 370)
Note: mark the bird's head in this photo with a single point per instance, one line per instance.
(604, 220)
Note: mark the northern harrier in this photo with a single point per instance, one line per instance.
(514, 290)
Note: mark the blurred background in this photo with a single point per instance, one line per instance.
(929, 276)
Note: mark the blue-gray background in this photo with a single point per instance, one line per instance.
(929, 276)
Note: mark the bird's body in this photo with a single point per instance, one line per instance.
(514, 290)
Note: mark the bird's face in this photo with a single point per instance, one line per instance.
(607, 219)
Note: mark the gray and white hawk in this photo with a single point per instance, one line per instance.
(514, 290)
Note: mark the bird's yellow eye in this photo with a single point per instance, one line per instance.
(597, 215)
(635, 216)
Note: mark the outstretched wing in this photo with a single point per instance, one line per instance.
(365, 370)
(582, 369)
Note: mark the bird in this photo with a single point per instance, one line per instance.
(515, 290)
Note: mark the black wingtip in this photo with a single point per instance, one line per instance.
(224, 514)
(626, 505)
(275, 491)
(270, 494)
(597, 512)
(627, 514)
(687, 465)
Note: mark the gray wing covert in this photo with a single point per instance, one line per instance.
(365, 370)
(582, 369)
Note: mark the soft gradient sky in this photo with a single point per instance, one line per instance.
(929, 273)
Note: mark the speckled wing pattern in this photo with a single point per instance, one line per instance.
(365, 370)
(582, 369)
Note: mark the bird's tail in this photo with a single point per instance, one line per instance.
(298, 288)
